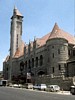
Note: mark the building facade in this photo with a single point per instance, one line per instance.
(46, 58)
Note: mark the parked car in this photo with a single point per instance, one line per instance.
(15, 85)
(72, 90)
(29, 86)
(53, 88)
(42, 87)
(3, 82)
(35, 86)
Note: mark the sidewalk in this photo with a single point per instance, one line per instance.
(64, 92)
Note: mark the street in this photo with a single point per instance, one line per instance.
(7, 93)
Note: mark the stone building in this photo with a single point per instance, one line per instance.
(46, 60)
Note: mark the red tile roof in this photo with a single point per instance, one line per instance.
(58, 33)
(42, 41)
(20, 51)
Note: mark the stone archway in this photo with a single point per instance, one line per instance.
(41, 73)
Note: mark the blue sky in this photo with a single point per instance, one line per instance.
(39, 19)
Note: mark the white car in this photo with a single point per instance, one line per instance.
(15, 85)
(35, 86)
(53, 88)
(42, 87)
(72, 90)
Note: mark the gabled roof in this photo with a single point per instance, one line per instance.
(58, 33)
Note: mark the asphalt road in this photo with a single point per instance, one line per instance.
(23, 94)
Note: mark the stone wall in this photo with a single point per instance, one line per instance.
(64, 83)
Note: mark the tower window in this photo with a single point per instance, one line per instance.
(58, 51)
(52, 69)
(17, 42)
(48, 59)
(73, 52)
(69, 52)
(59, 67)
(53, 55)
(18, 17)
(52, 46)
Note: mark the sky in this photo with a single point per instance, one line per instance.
(39, 19)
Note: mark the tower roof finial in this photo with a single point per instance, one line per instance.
(15, 7)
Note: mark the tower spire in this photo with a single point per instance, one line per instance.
(16, 12)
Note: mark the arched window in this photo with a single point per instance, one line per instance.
(25, 64)
(32, 62)
(22, 65)
(41, 73)
(41, 60)
(29, 64)
(36, 61)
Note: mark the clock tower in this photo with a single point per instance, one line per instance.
(15, 32)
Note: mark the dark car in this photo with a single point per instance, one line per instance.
(72, 90)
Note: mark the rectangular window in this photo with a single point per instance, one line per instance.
(17, 42)
(58, 51)
(59, 67)
(64, 48)
(69, 52)
(48, 59)
(73, 52)
(53, 47)
(53, 55)
(53, 69)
